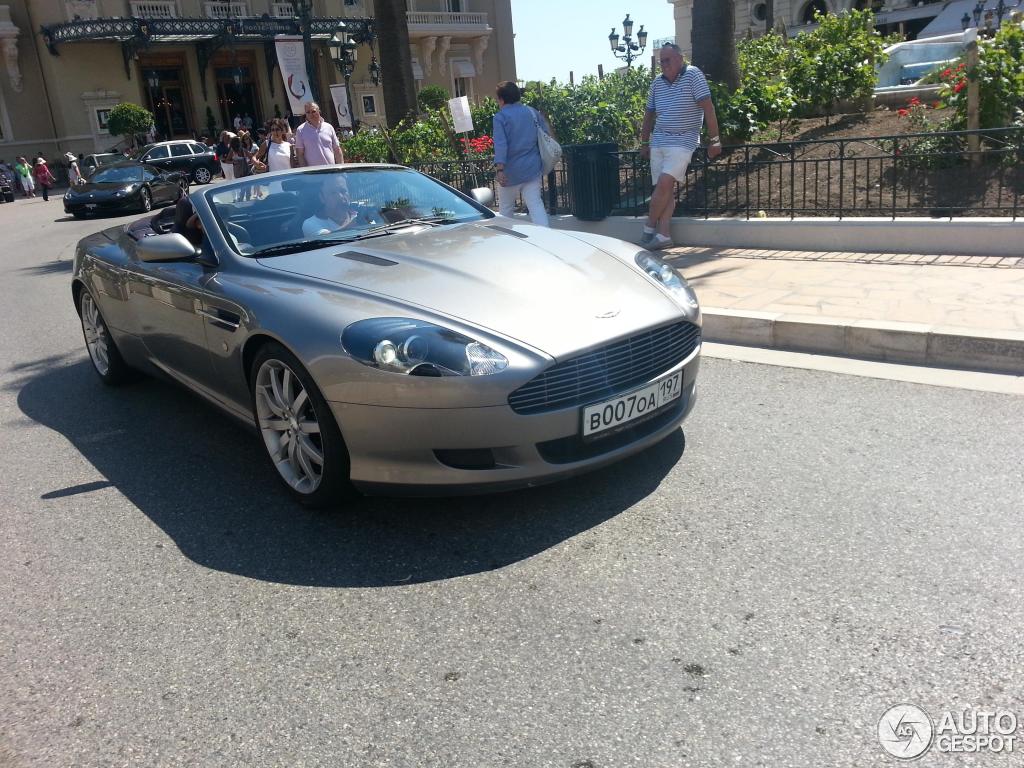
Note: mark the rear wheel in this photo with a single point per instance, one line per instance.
(202, 175)
(299, 433)
(145, 200)
(182, 189)
(106, 358)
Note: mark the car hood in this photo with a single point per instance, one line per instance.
(541, 287)
(102, 187)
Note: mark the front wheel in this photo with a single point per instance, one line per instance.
(299, 433)
(145, 201)
(202, 175)
(105, 356)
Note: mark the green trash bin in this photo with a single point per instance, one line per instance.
(592, 176)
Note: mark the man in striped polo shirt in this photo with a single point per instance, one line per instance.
(677, 106)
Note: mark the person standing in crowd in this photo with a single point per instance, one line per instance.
(24, 173)
(516, 154)
(223, 149)
(74, 173)
(277, 152)
(678, 103)
(44, 177)
(237, 123)
(316, 143)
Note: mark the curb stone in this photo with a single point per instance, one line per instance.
(892, 342)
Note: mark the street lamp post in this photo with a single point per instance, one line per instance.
(343, 50)
(628, 50)
(303, 9)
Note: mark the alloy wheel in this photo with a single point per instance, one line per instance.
(202, 175)
(97, 338)
(147, 201)
(290, 429)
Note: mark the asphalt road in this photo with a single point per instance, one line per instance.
(818, 548)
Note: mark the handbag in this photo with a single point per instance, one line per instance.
(550, 150)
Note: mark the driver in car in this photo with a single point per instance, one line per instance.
(334, 210)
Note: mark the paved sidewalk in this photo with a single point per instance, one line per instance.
(905, 308)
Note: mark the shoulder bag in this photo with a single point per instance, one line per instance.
(550, 150)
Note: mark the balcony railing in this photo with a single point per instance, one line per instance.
(155, 9)
(445, 18)
(228, 10)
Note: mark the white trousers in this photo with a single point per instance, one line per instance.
(530, 190)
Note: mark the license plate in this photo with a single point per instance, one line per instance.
(631, 406)
(90, 206)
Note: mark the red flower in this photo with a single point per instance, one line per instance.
(914, 102)
(937, 105)
(959, 86)
(947, 72)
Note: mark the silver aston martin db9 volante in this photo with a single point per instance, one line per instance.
(386, 333)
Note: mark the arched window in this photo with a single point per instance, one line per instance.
(811, 9)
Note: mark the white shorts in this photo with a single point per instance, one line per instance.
(670, 160)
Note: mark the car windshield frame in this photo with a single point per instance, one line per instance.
(452, 207)
(126, 169)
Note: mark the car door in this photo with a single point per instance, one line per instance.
(159, 157)
(166, 300)
(181, 158)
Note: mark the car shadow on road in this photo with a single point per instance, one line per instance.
(48, 267)
(203, 479)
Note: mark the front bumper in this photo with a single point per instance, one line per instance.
(393, 450)
(103, 206)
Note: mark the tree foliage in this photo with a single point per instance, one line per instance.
(127, 119)
(432, 97)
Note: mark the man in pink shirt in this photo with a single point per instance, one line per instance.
(316, 143)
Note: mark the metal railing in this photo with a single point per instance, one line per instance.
(922, 174)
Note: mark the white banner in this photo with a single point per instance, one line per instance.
(340, 95)
(291, 59)
(461, 115)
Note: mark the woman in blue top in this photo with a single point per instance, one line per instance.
(516, 154)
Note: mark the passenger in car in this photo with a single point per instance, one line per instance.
(187, 222)
(334, 210)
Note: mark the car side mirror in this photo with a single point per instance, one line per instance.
(172, 247)
(483, 195)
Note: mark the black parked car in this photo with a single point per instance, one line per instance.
(192, 158)
(125, 185)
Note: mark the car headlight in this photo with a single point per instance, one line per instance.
(413, 347)
(666, 275)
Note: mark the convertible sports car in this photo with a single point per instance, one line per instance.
(124, 186)
(386, 333)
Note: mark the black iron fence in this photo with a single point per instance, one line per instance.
(958, 173)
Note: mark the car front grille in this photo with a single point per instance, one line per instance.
(608, 370)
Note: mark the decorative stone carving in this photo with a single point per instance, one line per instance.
(9, 41)
(427, 45)
(479, 46)
(442, 54)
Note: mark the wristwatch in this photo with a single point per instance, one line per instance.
(714, 140)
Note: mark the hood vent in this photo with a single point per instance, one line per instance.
(366, 258)
(507, 231)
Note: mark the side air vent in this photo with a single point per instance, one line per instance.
(366, 258)
(507, 231)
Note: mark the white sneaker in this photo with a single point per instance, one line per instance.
(658, 242)
(647, 237)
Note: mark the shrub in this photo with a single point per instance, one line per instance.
(1000, 75)
(129, 120)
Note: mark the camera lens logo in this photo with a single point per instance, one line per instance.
(905, 731)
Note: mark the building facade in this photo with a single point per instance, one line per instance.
(197, 64)
(907, 17)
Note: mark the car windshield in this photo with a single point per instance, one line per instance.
(138, 153)
(121, 175)
(306, 210)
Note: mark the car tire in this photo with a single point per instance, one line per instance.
(106, 357)
(300, 437)
(182, 189)
(145, 200)
(202, 175)
(78, 215)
